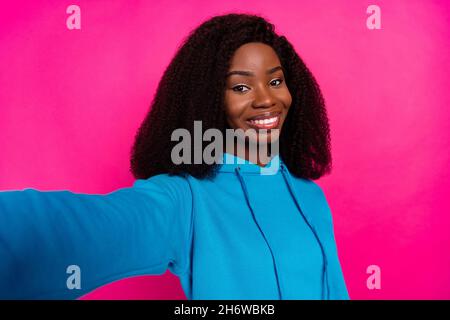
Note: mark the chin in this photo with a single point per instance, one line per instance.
(263, 136)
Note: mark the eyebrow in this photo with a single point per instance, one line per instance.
(250, 74)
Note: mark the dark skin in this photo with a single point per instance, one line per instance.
(256, 94)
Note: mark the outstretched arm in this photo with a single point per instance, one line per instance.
(53, 242)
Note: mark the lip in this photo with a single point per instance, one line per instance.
(265, 115)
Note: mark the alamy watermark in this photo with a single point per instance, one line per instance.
(251, 144)
(74, 280)
(374, 280)
(73, 22)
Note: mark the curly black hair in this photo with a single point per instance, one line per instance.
(192, 88)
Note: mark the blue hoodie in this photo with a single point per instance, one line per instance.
(241, 235)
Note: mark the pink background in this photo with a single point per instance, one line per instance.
(72, 100)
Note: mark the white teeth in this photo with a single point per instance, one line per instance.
(265, 121)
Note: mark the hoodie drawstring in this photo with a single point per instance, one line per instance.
(244, 188)
(325, 284)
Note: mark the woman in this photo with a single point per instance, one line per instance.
(226, 230)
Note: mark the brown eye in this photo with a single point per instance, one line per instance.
(280, 81)
(238, 88)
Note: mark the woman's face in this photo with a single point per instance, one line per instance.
(256, 94)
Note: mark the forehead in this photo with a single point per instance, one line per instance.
(254, 55)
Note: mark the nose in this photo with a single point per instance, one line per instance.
(263, 98)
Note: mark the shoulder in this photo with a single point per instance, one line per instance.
(313, 198)
(309, 187)
(175, 186)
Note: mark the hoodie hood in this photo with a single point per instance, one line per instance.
(241, 167)
(231, 162)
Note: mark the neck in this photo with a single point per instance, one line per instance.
(250, 154)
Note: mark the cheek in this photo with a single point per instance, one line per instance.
(286, 98)
(233, 108)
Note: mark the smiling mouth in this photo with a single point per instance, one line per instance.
(269, 121)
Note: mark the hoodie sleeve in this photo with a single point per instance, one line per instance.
(62, 245)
